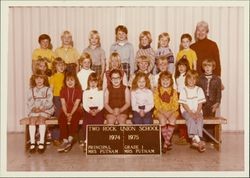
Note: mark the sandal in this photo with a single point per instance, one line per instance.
(32, 148)
(194, 144)
(201, 147)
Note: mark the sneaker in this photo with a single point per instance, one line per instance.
(62, 147)
(68, 147)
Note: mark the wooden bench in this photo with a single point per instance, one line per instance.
(215, 121)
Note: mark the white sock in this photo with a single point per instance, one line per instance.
(65, 140)
(70, 138)
(197, 138)
(32, 131)
(42, 129)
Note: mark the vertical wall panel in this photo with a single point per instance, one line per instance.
(27, 23)
(224, 56)
(241, 78)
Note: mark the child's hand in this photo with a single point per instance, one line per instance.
(198, 115)
(93, 112)
(69, 118)
(142, 113)
(193, 115)
(215, 107)
(167, 114)
(116, 111)
(35, 110)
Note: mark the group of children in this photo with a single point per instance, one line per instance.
(151, 85)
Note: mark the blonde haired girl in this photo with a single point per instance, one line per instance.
(114, 63)
(145, 49)
(96, 52)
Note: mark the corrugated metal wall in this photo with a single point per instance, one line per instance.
(27, 23)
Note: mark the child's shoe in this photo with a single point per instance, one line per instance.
(201, 147)
(62, 147)
(68, 147)
(32, 148)
(41, 148)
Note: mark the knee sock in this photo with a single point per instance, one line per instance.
(170, 131)
(42, 129)
(164, 132)
(32, 132)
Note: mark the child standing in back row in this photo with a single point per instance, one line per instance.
(45, 51)
(164, 50)
(145, 49)
(97, 53)
(114, 63)
(185, 49)
(125, 50)
(67, 52)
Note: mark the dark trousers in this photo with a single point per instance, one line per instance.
(89, 119)
(71, 129)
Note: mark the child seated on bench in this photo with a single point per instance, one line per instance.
(142, 99)
(166, 107)
(191, 100)
(211, 85)
(116, 99)
(40, 108)
(92, 103)
(71, 96)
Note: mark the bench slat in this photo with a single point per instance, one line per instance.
(216, 120)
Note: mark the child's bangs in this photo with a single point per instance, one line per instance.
(70, 77)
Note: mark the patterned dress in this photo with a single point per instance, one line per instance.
(41, 98)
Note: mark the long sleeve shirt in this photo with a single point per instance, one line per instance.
(83, 76)
(40, 98)
(93, 98)
(126, 52)
(69, 55)
(142, 97)
(97, 55)
(207, 49)
(172, 105)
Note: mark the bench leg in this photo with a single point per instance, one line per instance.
(217, 133)
(27, 137)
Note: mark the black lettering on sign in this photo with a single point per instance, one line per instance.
(123, 139)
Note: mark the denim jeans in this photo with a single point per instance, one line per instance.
(194, 126)
(147, 119)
